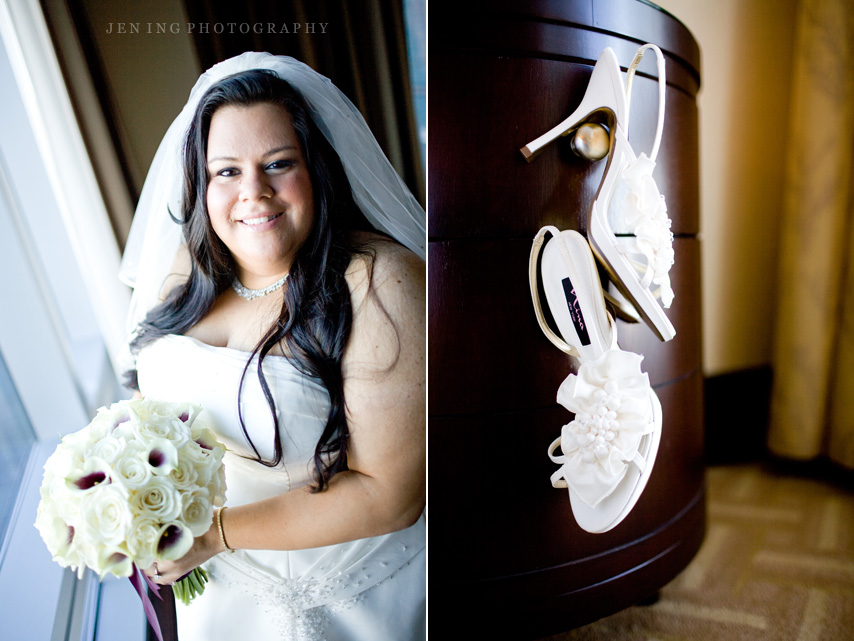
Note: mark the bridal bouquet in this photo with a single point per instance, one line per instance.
(133, 487)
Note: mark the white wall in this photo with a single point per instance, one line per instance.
(744, 105)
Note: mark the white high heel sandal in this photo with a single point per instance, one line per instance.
(604, 91)
(628, 226)
(609, 449)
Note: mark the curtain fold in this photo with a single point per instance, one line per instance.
(812, 404)
(358, 44)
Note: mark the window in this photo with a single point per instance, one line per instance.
(16, 440)
(56, 249)
(415, 15)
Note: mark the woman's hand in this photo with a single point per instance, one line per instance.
(204, 547)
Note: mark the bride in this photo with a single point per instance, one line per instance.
(278, 273)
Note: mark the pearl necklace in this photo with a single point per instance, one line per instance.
(251, 294)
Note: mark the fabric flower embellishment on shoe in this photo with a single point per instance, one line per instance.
(638, 208)
(610, 398)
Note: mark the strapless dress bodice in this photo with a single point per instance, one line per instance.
(184, 369)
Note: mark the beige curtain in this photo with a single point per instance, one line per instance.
(812, 408)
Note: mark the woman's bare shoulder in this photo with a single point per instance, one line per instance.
(388, 293)
(389, 269)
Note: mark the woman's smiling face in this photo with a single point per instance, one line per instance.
(259, 196)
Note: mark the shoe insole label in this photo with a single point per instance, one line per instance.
(575, 312)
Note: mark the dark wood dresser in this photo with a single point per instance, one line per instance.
(506, 558)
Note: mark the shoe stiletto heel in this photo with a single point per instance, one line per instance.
(622, 309)
(609, 449)
(605, 90)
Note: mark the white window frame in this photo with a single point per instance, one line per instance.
(39, 599)
(69, 169)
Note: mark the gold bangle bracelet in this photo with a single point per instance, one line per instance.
(219, 527)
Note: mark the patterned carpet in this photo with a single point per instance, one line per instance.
(777, 564)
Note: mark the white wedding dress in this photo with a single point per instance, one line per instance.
(365, 590)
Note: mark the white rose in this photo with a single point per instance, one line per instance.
(200, 461)
(158, 500)
(108, 448)
(105, 515)
(198, 511)
(162, 420)
(63, 460)
(132, 468)
(184, 412)
(55, 532)
(65, 500)
(204, 452)
(218, 487)
(185, 476)
(109, 419)
(71, 452)
(142, 541)
(79, 555)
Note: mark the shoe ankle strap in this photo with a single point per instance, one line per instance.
(662, 84)
(556, 340)
(536, 248)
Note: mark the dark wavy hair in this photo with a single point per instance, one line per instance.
(316, 315)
